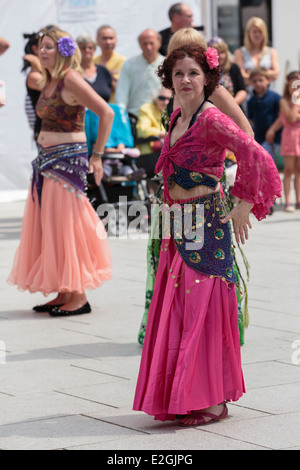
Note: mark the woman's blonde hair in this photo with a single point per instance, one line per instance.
(186, 36)
(261, 25)
(221, 46)
(63, 64)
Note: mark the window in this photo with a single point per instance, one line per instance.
(229, 18)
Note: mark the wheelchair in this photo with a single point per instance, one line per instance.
(124, 185)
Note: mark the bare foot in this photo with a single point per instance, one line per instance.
(61, 299)
(74, 302)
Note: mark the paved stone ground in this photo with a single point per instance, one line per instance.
(69, 383)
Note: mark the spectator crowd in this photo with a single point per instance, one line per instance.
(249, 74)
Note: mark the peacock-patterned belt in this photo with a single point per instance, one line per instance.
(202, 240)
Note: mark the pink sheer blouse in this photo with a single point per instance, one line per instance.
(203, 149)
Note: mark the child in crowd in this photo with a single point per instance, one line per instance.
(263, 112)
(290, 143)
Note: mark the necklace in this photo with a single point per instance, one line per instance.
(194, 117)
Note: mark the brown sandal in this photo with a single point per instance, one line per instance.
(199, 417)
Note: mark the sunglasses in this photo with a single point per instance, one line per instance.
(163, 98)
(47, 29)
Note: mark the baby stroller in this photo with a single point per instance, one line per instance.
(122, 194)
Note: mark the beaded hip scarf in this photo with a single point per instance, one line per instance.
(202, 240)
(67, 161)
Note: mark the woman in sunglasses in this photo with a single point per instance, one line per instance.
(150, 132)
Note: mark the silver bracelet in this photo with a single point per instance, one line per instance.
(98, 154)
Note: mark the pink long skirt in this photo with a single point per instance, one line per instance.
(191, 355)
(63, 246)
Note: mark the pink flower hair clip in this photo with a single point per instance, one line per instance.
(212, 57)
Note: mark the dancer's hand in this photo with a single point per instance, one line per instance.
(34, 62)
(96, 168)
(4, 45)
(241, 220)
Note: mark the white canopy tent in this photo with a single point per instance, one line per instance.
(128, 17)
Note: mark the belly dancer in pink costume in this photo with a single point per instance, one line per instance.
(64, 248)
(191, 361)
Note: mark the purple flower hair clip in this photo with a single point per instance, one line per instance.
(215, 40)
(66, 46)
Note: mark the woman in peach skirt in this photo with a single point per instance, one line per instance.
(64, 247)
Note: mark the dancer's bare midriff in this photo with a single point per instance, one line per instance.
(49, 139)
(177, 193)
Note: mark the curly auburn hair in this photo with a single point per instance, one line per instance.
(196, 52)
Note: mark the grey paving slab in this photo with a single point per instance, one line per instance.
(170, 436)
(58, 432)
(191, 440)
(69, 383)
(274, 432)
(116, 394)
(270, 373)
(274, 400)
(142, 422)
(34, 406)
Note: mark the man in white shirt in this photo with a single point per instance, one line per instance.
(138, 81)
